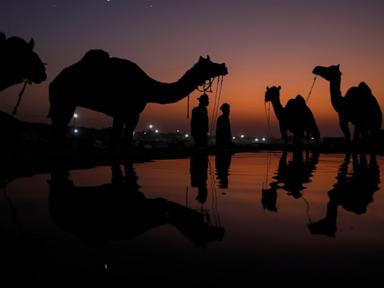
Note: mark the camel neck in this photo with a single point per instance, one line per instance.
(336, 96)
(167, 93)
(278, 108)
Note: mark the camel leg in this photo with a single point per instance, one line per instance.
(60, 120)
(298, 139)
(360, 138)
(284, 135)
(344, 127)
(117, 126)
(130, 125)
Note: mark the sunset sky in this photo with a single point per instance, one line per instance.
(262, 42)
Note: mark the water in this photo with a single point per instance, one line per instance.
(249, 219)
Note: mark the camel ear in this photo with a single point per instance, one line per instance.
(31, 43)
(267, 88)
(208, 57)
(279, 87)
(338, 65)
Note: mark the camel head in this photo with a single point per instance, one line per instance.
(328, 73)
(205, 69)
(25, 64)
(272, 93)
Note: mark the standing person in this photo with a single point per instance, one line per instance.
(199, 122)
(223, 127)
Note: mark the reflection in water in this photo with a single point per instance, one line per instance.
(353, 191)
(223, 163)
(119, 209)
(199, 175)
(290, 176)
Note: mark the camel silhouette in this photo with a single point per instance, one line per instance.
(295, 117)
(358, 107)
(118, 88)
(18, 62)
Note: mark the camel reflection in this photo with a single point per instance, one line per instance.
(120, 210)
(352, 191)
(290, 176)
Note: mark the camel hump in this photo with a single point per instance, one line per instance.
(95, 57)
(364, 88)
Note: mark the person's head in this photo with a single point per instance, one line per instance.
(203, 100)
(225, 108)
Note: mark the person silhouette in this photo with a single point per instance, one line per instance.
(199, 122)
(223, 127)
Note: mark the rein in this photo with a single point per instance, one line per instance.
(310, 90)
(19, 99)
(217, 101)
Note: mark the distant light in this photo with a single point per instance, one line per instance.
(145, 132)
(263, 139)
(156, 131)
(75, 115)
(177, 131)
(150, 126)
(242, 136)
(233, 138)
(312, 138)
(186, 135)
(75, 131)
(256, 139)
(133, 132)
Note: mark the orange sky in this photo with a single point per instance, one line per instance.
(262, 43)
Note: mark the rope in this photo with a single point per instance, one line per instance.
(215, 209)
(19, 99)
(268, 116)
(310, 90)
(265, 183)
(188, 106)
(217, 101)
(269, 134)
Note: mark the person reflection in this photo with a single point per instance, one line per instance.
(290, 176)
(222, 163)
(352, 191)
(199, 175)
(119, 209)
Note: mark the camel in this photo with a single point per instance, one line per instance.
(18, 62)
(118, 88)
(295, 117)
(358, 106)
(119, 210)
